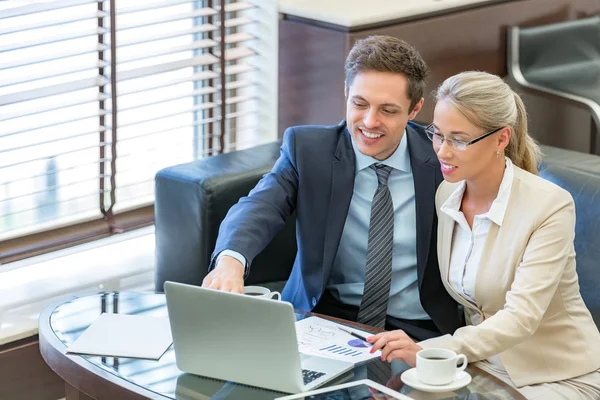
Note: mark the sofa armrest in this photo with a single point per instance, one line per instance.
(579, 173)
(191, 202)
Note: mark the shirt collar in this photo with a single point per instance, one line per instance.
(399, 159)
(496, 213)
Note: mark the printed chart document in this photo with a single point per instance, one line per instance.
(121, 335)
(317, 336)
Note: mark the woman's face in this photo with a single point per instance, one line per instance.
(477, 159)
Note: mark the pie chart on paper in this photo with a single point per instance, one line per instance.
(357, 343)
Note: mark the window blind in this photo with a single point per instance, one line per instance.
(96, 96)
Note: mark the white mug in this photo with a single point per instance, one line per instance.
(259, 291)
(439, 366)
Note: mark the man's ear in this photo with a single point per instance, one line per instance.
(346, 91)
(416, 110)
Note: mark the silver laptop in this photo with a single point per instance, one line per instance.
(243, 339)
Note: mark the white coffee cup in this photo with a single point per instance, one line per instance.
(439, 366)
(259, 291)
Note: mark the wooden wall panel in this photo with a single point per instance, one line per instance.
(311, 75)
(25, 375)
(476, 39)
(310, 89)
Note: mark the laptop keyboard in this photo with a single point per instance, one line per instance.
(310, 376)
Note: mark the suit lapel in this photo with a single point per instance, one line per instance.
(343, 170)
(488, 249)
(447, 230)
(424, 175)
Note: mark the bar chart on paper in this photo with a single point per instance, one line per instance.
(320, 337)
(341, 350)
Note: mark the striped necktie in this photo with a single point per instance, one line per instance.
(378, 273)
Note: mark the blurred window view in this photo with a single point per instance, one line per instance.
(61, 161)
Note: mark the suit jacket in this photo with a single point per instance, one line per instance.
(314, 177)
(526, 288)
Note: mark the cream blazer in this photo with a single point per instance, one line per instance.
(526, 289)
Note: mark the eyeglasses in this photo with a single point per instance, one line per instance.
(460, 145)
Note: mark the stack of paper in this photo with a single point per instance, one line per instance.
(317, 336)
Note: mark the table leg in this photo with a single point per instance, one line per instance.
(72, 393)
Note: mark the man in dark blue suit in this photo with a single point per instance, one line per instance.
(363, 193)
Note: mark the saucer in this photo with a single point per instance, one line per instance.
(411, 378)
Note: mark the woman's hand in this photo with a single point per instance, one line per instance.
(395, 345)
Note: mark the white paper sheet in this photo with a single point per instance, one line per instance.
(121, 335)
(317, 336)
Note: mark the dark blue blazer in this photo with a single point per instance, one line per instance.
(314, 177)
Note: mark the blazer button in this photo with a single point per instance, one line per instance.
(314, 301)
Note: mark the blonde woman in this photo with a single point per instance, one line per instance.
(505, 249)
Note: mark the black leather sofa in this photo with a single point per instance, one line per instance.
(579, 173)
(192, 199)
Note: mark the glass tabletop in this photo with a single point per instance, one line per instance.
(71, 318)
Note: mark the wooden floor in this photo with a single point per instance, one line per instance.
(25, 375)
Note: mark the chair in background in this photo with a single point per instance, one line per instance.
(560, 61)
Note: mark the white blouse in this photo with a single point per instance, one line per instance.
(467, 243)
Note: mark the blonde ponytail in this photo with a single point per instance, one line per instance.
(522, 149)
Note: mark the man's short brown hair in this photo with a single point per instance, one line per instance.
(388, 54)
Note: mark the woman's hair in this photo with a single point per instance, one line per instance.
(489, 103)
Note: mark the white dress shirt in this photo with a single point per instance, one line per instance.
(467, 243)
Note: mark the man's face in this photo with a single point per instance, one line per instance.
(377, 107)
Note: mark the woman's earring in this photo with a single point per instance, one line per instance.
(498, 154)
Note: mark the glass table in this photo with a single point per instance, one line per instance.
(93, 377)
